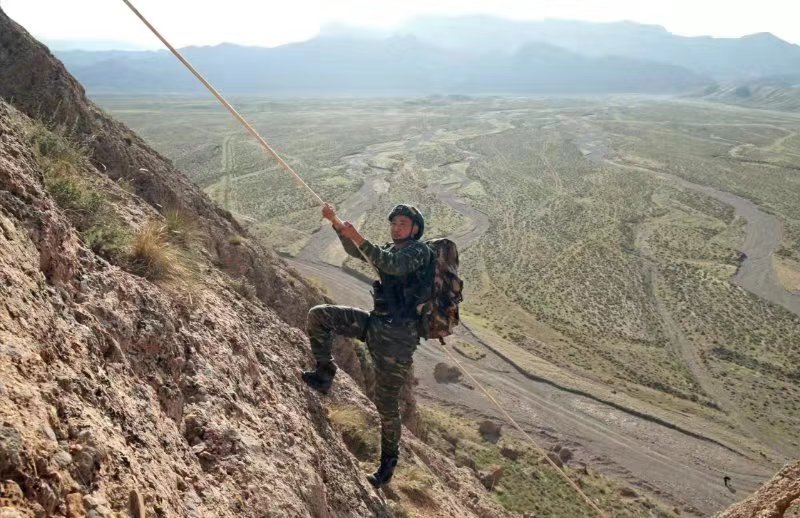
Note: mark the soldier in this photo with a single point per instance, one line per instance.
(389, 330)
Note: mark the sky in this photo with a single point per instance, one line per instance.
(272, 23)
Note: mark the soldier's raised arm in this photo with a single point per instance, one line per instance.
(349, 246)
(397, 262)
(329, 213)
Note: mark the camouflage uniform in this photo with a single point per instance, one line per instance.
(390, 330)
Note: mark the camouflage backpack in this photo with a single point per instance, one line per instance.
(438, 309)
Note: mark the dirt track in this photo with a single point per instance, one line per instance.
(763, 235)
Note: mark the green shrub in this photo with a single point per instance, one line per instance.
(54, 146)
(81, 203)
(109, 239)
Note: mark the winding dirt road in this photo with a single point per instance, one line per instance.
(763, 235)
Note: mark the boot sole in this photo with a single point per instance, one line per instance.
(322, 390)
(374, 481)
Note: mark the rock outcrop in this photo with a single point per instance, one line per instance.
(777, 498)
(445, 373)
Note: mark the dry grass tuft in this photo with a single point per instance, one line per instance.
(359, 435)
(236, 239)
(151, 255)
(415, 483)
(181, 228)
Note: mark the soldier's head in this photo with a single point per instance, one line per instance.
(406, 222)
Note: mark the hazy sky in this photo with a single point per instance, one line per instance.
(270, 23)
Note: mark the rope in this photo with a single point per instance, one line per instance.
(250, 129)
(225, 103)
(538, 448)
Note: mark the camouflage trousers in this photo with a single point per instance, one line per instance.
(391, 346)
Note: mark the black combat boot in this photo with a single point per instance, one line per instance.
(385, 471)
(321, 378)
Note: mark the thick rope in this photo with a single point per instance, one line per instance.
(225, 103)
(289, 169)
(335, 220)
(538, 448)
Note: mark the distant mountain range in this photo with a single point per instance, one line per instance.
(724, 59)
(470, 55)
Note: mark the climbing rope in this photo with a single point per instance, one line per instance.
(337, 221)
(225, 103)
(250, 129)
(538, 448)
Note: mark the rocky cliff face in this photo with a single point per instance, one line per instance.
(37, 84)
(780, 497)
(113, 386)
(119, 395)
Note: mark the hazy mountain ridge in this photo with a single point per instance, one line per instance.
(755, 55)
(396, 65)
(470, 54)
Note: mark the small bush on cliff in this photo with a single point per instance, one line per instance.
(151, 255)
(81, 203)
(108, 239)
(63, 163)
(56, 147)
(148, 252)
(416, 483)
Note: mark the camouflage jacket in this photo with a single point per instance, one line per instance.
(400, 267)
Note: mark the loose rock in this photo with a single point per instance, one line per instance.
(444, 373)
(490, 431)
(491, 476)
(565, 455)
(510, 453)
(555, 458)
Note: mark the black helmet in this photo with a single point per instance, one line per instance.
(411, 212)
